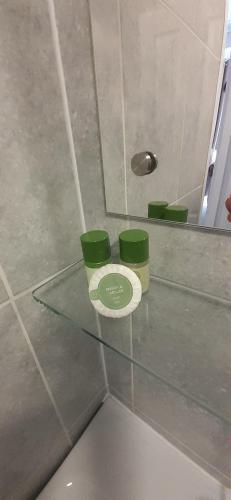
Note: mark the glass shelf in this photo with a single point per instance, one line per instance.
(174, 335)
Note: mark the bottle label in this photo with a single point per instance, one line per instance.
(114, 291)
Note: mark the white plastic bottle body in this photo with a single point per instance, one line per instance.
(142, 271)
(90, 271)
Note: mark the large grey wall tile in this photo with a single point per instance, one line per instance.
(199, 434)
(69, 294)
(151, 35)
(185, 339)
(205, 17)
(198, 259)
(38, 204)
(69, 358)
(74, 32)
(106, 44)
(31, 438)
(75, 40)
(117, 333)
(119, 374)
(3, 293)
(198, 112)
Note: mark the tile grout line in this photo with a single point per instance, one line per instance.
(131, 354)
(186, 194)
(4, 304)
(122, 86)
(34, 287)
(61, 77)
(43, 282)
(122, 96)
(188, 27)
(33, 353)
(102, 351)
(89, 407)
(96, 95)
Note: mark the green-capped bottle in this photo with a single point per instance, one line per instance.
(134, 253)
(156, 209)
(96, 250)
(176, 213)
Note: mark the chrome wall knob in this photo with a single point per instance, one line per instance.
(144, 163)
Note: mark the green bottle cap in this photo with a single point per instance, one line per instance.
(156, 209)
(134, 246)
(177, 213)
(96, 248)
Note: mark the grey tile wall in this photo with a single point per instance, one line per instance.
(131, 39)
(186, 343)
(197, 259)
(75, 43)
(38, 203)
(40, 235)
(205, 17)
(185, 339)
(149, 29)
(196, 432)
(198, 112)
(70, 360)
(194, 259)
(117, 333)
(40, 229)
(108, 64)
(3, 293)
(31, 438)
(73, 21)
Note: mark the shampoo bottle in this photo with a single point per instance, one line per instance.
(96, 250)
(134, 253)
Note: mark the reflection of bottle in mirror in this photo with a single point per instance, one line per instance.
(156, 209)
(96, 250)
(176, 213)
(134, 253)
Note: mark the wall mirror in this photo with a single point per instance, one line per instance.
(163, 82)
